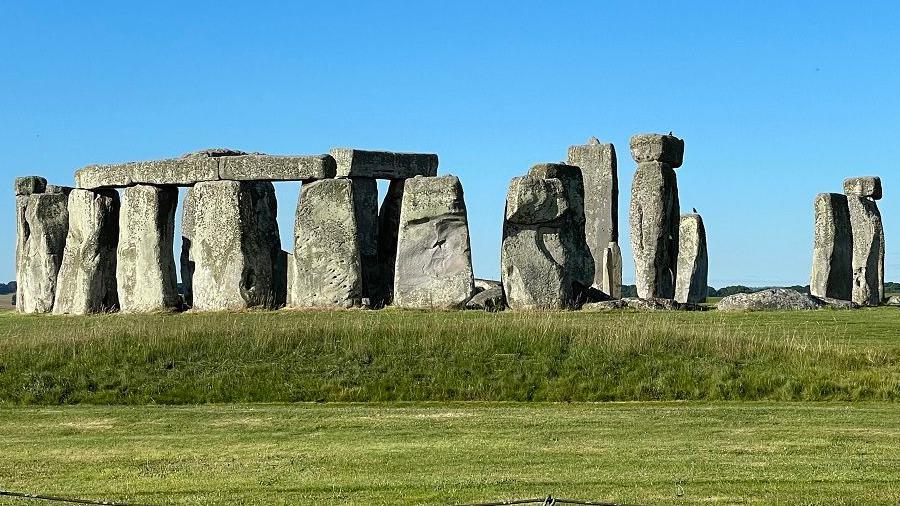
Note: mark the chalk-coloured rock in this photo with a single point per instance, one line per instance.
(654, 218)
(545, 261)
(666, 149)
(383, 164)
(327, 271)
(611, 265)
(290, 266)
(601, 202)
(893, 300)
(693, 263)
(234, 245)
(21, 236)
(388, 231)
(867, 186)
(45, 227)
(257, 167)
(832, 272)
(491, 299)
(868, 251)
(780, 299)
(365, 204)
(87, 277)
(145, 269)
(188, 217)
(29, 185)
(434, 258)
(487, 284)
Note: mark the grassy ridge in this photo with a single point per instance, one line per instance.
(414, 356)
(458, 453)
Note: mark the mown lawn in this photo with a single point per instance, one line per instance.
(641, 453)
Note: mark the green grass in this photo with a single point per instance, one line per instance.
(645, 453)
(450, 356)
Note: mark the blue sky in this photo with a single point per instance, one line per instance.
(776, 101)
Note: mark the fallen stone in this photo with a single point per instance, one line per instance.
(666, 149)
(775, 299)
(864, 187)
(601, 203)
(145, 270)
(87, 276)
(654, 218)
(234, 245)
(277, 168)
(611, 265)
(434, 260)
(25, 186)
(638, 304)
(45, 227)
(893, 300)
(608, 305)
(832, 272)
(486, 284)
(327, 271)
(693, 264)
(832, 303)
(388, 231)
(383, 164)
(868, 251)
(490, 299)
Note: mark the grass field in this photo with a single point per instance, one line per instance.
(362, 356)
(644, 453)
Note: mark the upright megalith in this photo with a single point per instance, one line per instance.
(326, 270)
(434, 260)
(87, 277)
(868, 239)
(655, 213)
(145, 268)
(44, 227)
(832, 271)
(365, 205)
(693, 263)
(233, 245)
(545, 260)
(388, 232)
(601, 209)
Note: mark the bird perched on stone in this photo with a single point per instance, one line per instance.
(694, 209)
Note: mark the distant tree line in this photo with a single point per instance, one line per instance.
(7, 288)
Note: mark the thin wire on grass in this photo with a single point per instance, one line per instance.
(68, 500)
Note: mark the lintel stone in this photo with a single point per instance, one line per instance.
(383, 164)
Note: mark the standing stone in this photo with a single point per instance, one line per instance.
(655, 214)
(388, 231)
(44, 227)
(327, 271)
(290, 265)
(186, 259)
(282, 278)
(87, 277)
(601, 207)
(365, 205)
(542, 260)
(21, 236)
(693, 264)
(868, 242)
(611, 265)
(234, 245)
(434, 260)
(145, 269)
(832, 271)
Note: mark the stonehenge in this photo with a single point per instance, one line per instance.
(848, 248)
(42, 224)
(693, 264)
(655, 214)
(434, 261)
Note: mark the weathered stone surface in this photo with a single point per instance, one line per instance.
(25, 186)
(611, 265)
(654, 219)
(44, 229)
(87, 277)
(601, 201)
(21, 236)
(893, 300)
(277, 168)
(365, 204)
(868, 186)
(434, 258)
(491, 299)
(693, 263)
(608, 305)
(545, 261)
(61, 190)
(233, 245)
(388, 231)
(486, 284)
(638, 304)
(327, 271)
(666, 149)
(832, 272)
(781, 299)
(291, 277)
(145, 269)
(383, 164)
(282, 278)
(188, 217)
(868, 251)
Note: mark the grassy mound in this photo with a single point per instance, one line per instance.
(415, 356)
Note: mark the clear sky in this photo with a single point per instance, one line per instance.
(776, 101)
